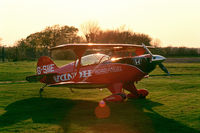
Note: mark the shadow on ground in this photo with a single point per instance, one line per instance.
(131, 116)
(157, 75)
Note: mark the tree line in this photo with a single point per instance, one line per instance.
(39, 43)
(176, 51)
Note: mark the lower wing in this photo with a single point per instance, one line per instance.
(82, 85)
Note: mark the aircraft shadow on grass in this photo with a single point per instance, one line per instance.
(131, 116)
(186, 74)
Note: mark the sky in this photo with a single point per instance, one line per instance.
(173, 22)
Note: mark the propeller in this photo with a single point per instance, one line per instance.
(164, 69)
(158, 59)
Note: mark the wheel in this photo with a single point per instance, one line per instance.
(142, 93)
(41, 90)
(122, 95)
(141, 96)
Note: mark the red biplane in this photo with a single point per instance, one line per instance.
(101, 70)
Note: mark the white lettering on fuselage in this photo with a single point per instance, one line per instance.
(137, 61)
(45, 69)
(108, 70)
(69, 76)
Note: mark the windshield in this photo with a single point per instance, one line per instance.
(93, 59)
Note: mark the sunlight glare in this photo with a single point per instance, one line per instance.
(114, 59)
(102, 110)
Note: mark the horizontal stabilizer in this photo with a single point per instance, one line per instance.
(36, 78)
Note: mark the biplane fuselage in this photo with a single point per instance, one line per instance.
(100, 71)
(102, 74)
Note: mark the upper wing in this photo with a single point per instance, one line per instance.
(81, 48)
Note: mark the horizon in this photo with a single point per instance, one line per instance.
(174, 22)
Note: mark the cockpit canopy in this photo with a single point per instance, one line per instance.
(94, 59)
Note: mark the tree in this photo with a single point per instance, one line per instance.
(2, 51)
(156, 42)
(53, 36)
(125, 36)
(39, 43)
(90, 29)
(0, 41)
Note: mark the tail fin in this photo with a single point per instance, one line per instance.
(45, 65)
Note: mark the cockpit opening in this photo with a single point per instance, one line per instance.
(93, 59)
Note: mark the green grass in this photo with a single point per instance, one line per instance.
(17, 71)
(173, 104)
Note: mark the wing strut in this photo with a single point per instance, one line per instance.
(79, 53)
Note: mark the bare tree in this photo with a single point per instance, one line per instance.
(90, 29)
(0, 41)
(156, 42)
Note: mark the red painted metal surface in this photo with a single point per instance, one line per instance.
(99, 74)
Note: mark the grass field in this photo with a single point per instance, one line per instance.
(173, 104)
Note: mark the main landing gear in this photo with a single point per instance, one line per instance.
(42, 89)
(118, 95)
(135, 93)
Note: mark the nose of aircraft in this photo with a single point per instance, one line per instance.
(158, 58)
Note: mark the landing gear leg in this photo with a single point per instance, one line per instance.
(129, 86)
(117, 93)
(71, 90)
(135, 93)
(41, 90)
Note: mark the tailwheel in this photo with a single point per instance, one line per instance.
(122, 95)
(41, 90)
(118, 97)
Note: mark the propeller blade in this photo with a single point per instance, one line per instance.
(157, 59)
(164, 68)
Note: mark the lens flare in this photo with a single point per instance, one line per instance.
(114, 59)
(102, 104)
(102, 110)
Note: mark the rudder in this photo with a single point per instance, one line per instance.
(45, 65)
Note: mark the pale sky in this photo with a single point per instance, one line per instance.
(174, 22)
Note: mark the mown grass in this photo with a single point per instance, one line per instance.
(17, 71)
(173, 104)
